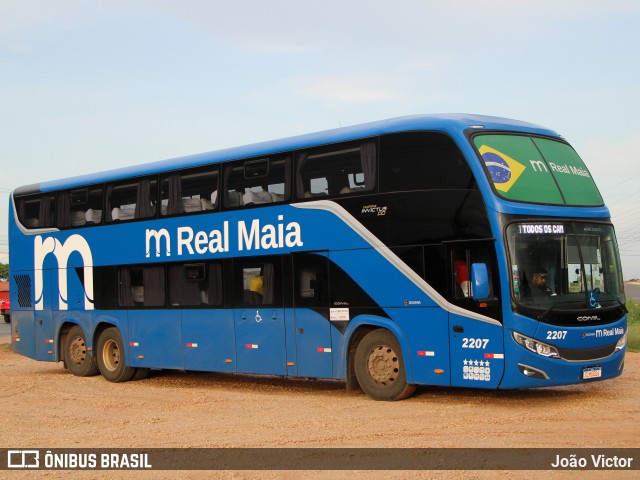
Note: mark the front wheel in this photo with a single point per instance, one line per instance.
(111, 357)
(380, 367)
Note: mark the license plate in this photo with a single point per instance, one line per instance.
(591, 372)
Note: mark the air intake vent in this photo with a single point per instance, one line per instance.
(24, 290)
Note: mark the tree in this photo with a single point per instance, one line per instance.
(4, 271)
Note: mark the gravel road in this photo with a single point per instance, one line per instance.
(43, 406)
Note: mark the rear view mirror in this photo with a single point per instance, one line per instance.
(480, 281)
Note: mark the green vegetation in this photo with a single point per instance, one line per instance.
(633, 339)
(4, 271)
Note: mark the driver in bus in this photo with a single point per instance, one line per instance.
(540, 287)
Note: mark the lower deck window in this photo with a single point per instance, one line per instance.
(141, 286)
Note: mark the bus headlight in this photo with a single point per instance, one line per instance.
(622, 342)
(536, 346)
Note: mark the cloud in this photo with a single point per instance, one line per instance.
(337, 91)
(21, 15)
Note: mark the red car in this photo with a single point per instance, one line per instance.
(5, 310)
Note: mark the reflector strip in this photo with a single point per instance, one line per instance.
(290, 364)
(16, 339)
(251, 345)
(423, 353)
(192, 345)
(134, 344)
(494, 355)
(228, 360)
(324, 350)
(48, 340)
(140, 356)
(50, 352)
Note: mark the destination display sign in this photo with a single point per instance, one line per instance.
(540, 228)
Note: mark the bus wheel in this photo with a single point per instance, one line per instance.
(380, 367)
(77, 359)
(111, 357)
(141, 374)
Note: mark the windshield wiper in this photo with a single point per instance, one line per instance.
(624, 307)
(544, 314)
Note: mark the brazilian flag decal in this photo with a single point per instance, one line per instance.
(503, 169)
(537, 170)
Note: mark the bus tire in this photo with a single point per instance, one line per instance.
(77, 359)
(380, 368)
(141, 374)
(110, 357)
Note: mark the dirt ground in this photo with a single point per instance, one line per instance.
(43, 406)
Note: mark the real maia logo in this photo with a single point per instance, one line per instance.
(245, 237)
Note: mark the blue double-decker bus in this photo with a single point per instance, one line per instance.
(456, 250)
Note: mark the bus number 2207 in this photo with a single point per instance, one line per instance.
(475, 343)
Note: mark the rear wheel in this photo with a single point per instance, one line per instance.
(111, 357)
(380, 367)
(78, 359)
(141, 374)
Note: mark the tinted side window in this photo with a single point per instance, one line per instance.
(131, 199)
(311, 280)
(436, 268)
(258, 282)
(141, 286)
(422, 161)
(79, 207)
(257, 182)
(189, 192)
(195, 284)
(413, 256)
(105, 285)
(36, 211)
(337, 170)
(462, 257)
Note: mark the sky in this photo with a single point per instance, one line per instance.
(90, 85)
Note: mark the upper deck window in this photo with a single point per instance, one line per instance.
(422, 161)
(131, 199)
(256, 182)
(36, 211)
(79, 207)
(189, 192)
(538, 170)
(337, 170)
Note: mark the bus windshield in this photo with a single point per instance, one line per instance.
(564, 266)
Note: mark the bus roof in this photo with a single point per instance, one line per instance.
(449, 123)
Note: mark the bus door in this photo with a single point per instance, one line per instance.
(259, 316)
(207, 328)
(312, 321)
(475, 344)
